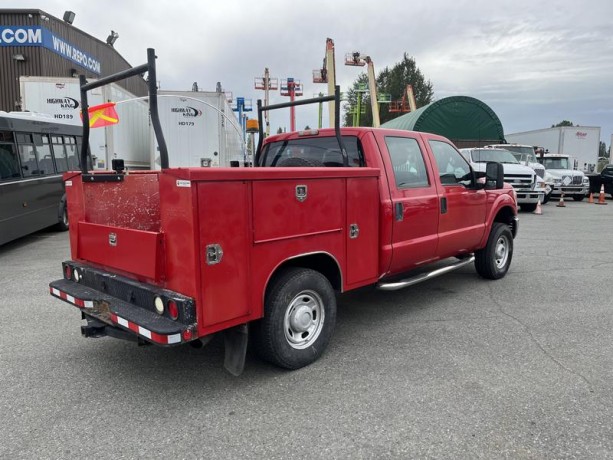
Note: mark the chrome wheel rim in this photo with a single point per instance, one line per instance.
(501, 255)
(304, 319)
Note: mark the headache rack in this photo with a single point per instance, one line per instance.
(336, 98)
(149, 67)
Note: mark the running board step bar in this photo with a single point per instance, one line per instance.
(425, 276)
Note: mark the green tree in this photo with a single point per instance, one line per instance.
(563, 123)
(352, 101)
(392, 81)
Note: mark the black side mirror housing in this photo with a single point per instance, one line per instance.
(118, 165)
(494, 175)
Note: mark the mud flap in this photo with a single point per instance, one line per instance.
(235, 342)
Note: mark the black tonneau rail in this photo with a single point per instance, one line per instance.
(337, 126)
(149, 67)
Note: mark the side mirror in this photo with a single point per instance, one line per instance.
(494, 175)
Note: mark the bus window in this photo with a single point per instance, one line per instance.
(59, 152)
(9, 163)
(45, 160)
(27, 153)
(72, 153)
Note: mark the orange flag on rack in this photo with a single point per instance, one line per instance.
(103, 115)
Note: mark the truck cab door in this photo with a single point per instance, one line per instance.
(462, 207)
(414, 199)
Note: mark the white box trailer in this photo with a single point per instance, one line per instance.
(581, 143)
(200, 129)
(61, 98)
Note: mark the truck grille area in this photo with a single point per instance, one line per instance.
(574, 180)
(520, 181)
(119, 301)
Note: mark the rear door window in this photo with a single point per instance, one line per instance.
(407, 162)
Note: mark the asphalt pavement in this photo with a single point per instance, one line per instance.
(457, 367)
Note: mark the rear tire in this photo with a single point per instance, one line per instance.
(493, 261)
(299, 318)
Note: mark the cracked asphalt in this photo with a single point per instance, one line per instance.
(457, 367)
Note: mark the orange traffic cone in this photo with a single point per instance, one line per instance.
(538, 211)
(591, 198)
(601, 199)
(561, 204)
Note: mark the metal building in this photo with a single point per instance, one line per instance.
(464, 120)
(35, 43)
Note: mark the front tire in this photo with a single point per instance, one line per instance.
(493, 261)
(299, 318)
(578, 197)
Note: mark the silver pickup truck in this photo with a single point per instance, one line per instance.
(529, 187)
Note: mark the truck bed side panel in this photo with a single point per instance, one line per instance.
(224, 221)
(179, 225)
(286, 228)
(279, 211)
(363, 248)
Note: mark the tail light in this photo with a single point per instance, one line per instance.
(173, 310)
(67, 272)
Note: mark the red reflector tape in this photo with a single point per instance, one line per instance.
(70, 299)
(153, 336)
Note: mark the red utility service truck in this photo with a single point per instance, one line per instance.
(176, 256)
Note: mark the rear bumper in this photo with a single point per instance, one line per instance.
(140, 320)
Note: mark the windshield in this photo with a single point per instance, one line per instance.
(555, 163)
(499, 156)
(520, 149)
(525, 157)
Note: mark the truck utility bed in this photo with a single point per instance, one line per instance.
(165, 233)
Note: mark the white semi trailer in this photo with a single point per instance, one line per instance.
(580, 143)
(61, 98)
(200, 130)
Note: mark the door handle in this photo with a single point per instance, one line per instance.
(444, 205)
(399, 212)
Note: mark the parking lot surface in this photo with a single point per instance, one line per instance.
(457, 367)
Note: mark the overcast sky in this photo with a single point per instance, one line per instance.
(534, 63)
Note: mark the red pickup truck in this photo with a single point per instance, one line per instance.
(175, 256)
